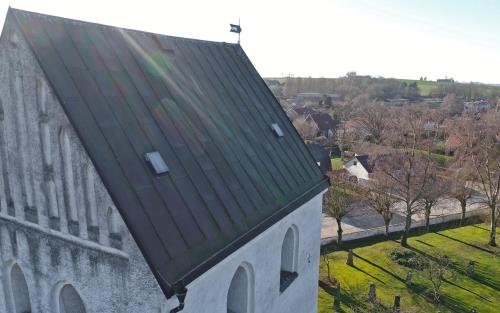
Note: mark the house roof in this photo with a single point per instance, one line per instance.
(324, 121)
(321, 155)
(204, 108)
(364, 160)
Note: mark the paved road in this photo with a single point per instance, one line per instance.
(362, 218)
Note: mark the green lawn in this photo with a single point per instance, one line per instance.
(460, 293)
(441, 160)
(337, 164)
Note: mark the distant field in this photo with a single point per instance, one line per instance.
(280, 79)
(425, 86)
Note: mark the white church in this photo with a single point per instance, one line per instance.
(147, 173)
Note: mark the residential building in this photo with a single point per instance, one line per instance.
(325, 123)
(360, 167)
(476, 106)
(445, 81)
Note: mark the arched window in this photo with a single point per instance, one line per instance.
(70, 301)
(289, 252)
(240, 294)
(20, 292)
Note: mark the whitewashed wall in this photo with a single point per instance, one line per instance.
(57, 221)
(357, 169)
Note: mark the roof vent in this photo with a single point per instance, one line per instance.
(14, 39)
(277, 130)
(156, 161)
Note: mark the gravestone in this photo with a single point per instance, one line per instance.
(350, 258)
(471, 268)
(409, 278)
(397, 304)
(372, 294)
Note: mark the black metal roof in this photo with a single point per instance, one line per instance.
(365, 161)
(324, 121)
(321, 156)
(204, 108)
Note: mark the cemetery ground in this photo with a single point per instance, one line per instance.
(461, 290)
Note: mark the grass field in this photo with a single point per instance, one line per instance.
(441, 160)
(460, 293)
(337, 163)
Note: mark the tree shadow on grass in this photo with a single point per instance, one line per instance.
(468, 290)
(485, 229)
(368, 274)
(485, 278)
(467, 244)
(454, 305)
(345, 296)
(424, 243)
(425, 254)
(379, 267)
(417, 288)
(480, 277)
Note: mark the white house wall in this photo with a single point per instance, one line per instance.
(357, 170)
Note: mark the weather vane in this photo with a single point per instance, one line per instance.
(236, 29)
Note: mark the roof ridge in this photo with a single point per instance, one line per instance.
(76, 21)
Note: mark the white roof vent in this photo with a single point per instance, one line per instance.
(277, 130)
(156, 162)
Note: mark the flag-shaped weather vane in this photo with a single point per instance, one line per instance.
(236, 29)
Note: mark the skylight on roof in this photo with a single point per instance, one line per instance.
(277, 130)
(156, 162)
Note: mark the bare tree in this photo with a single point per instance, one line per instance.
(459, 190)
(328, 263)
(452, 104)
(377, 195)
(482, 154)
(432, 192)
(437, 270)
(406, 169)
(338, 199)
(372, 121)
(343, 134)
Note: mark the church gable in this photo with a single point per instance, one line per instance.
(58, 224)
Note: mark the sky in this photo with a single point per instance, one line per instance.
(320, 38)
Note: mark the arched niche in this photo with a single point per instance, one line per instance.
(21, 302)
(241, 291)
(68, 300)
(289, 258)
